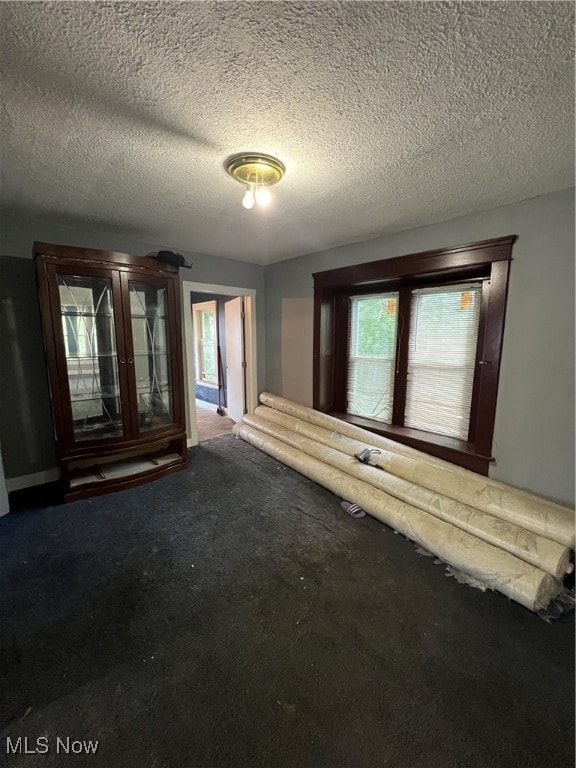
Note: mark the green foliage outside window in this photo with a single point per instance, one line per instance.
(375, 327)
(207, 325)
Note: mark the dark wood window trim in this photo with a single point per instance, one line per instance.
(488, 261)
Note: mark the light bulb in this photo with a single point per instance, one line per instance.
(248, 199)
(263, 196)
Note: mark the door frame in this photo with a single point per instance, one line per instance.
(234, 332)
(249, 294)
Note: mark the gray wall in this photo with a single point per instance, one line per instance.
(534, 435)
(26, 431)
(534, 438)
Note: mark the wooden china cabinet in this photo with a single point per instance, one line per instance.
(112, 336)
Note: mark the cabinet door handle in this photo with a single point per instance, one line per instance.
(122, 360)
(130, 359)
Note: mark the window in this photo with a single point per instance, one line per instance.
(372, 356)
(442, 358)
(206, 342)
(409, 347)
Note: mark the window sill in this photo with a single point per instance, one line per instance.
(207, 384)
(451, 449)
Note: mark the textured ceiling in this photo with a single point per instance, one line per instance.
(387, 116)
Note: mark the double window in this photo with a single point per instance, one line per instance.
(442, 342)
(410, 347)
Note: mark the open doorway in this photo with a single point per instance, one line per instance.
(210, 423)
(220, 357)
(219, 386)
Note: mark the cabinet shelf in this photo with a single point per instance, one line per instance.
(85, 398)
(98, 356)
(140, 316)
(158, 387)
(79, 313)
(122, 469)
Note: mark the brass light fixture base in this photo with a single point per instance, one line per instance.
(257, 169)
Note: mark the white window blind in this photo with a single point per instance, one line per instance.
(441, 358)
(372, 355)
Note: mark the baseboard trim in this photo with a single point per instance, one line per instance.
(28, 481)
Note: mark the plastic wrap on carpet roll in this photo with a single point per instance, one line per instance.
(337, 451)
(499, 570)
(528, 511)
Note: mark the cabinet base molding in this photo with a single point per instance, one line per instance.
(121, 475)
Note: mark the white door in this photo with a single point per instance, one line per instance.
(233, 314)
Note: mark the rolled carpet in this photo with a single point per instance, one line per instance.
(339, 452)
(494, 567)
(526, 510)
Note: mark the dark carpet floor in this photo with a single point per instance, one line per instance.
(233, 615)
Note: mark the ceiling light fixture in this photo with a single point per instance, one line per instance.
(257, 172)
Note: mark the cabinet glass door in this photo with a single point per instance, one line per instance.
(87, 311)
(151, 348)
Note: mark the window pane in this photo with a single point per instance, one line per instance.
(208, 372)
(441, 358)
(372, 356)
(207, 325)
(151, 355)
(91, 360)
